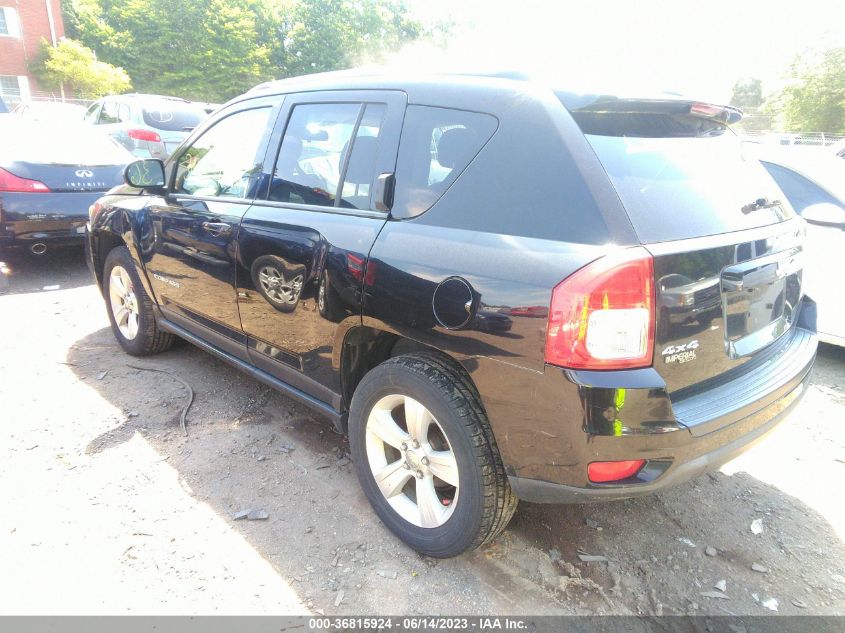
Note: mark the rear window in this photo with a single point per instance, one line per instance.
(173, 116)
(681, 176)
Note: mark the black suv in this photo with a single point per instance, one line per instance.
(497, 289)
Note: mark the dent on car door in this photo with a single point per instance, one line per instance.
(304, 246)
(191, 240)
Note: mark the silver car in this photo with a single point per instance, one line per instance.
(813, 180)
(149, 126)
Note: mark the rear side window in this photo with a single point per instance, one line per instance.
(360, 169)
(436, 146)
(310, 159)
(172, 116)
(328, 155)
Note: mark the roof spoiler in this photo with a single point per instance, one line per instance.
(608, 104)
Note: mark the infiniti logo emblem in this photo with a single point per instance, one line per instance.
(84, 173)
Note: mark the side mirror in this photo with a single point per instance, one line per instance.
(825, 214)
(144, 174)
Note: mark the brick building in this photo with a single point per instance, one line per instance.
(22, 25)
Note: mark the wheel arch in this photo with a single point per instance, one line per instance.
(361, 348)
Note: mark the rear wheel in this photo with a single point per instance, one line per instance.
(426, 458)
(130, 309)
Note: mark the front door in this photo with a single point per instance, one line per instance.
(304, 242)
(190, 253)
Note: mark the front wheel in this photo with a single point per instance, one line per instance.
(130, 308)
(426, 457)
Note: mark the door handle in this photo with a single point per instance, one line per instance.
(217, 228)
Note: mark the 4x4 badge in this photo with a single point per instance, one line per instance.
(680, 353)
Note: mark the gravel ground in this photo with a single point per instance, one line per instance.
(108, 508)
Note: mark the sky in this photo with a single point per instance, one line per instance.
(698, 49)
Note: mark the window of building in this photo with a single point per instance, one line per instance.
(10, 89)
(9, 25)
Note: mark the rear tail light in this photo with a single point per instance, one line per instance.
(602, 316)
(10, 182)
(605, 472)
(144, 135)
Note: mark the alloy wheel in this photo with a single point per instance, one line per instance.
(124, 302)
(412, 461)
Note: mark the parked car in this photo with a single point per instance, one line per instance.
(51, 112)
(813, 180)
(147, 125)
(383, 251)
(49, 176)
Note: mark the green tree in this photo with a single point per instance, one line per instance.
(324, 35)
(216, 49)
(73, 65)
(747, 93)
(200, 49)
(815, 100)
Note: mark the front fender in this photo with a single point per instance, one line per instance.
(120, 220)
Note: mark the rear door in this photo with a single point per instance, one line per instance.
(189, 237)
(304, 245)
(727, 246)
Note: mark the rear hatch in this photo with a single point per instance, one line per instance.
(727, 246)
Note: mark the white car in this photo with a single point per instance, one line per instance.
(813, 181)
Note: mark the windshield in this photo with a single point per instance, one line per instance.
(65, 145)
(173, 116)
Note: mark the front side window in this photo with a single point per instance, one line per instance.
(224, 160)
(436, 146)
(4, 23)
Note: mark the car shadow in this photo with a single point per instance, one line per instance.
(277, 454)
(61, 268)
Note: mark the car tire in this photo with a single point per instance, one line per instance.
(130, 309)
(429, 513)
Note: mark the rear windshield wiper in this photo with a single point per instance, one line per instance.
(758, 204)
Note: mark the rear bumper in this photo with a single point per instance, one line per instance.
(49, 218)
(52, 232)
(688, 465)
(575, 418)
